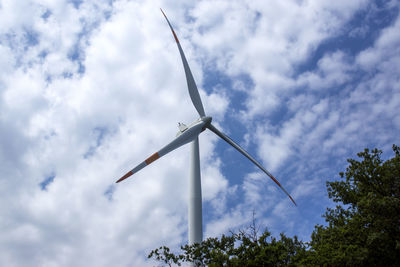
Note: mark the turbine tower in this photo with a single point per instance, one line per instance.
(188, 134)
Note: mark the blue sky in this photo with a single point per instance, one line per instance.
(88, 89)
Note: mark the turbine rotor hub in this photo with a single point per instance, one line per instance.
(207, 120)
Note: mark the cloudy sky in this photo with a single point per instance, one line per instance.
(88, 89)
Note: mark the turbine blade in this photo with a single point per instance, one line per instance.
(247, 155)
(186, 137)
(146, 162)
(193, 91)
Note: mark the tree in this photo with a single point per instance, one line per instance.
(244, 248)
(365, 229)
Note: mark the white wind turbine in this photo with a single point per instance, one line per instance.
(188, 134)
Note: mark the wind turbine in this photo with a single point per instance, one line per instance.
(188, 134)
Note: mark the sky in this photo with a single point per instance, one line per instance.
(89, 89)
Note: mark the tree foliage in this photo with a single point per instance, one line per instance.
(362, 230)
(365, 229)
(237, 249)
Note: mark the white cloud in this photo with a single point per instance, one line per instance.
(385, 51)
(333, 71)
(54, 127)
(267, 40)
